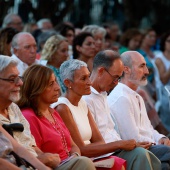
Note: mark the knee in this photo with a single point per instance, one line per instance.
(86, 163)
(140, 151)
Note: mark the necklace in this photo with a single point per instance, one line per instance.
(58, 129)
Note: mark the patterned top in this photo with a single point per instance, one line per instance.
(24, 138)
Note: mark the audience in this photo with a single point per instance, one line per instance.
(39, 90)
(55, 51)
(10, 84)
(45, 24)
(108, 66)
(129, 110)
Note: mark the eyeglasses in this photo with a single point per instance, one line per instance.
(114, 79)
(15, 80)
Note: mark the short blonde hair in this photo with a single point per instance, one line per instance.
(51, 46)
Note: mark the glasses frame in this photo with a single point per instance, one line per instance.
(115, 80)
(15, 80)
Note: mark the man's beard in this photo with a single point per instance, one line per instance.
(14, 97)
(142, 82)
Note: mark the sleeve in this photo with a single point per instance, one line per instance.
(34, 126)
(157, 135)
(123, 113)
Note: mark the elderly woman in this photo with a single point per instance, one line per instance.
(84, 48)
(39, 90)
(7, 144)
(55, 51)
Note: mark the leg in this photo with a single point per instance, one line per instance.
(78, 163)
(162, 152)
(140, 159)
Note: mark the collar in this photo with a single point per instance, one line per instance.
(93, 90)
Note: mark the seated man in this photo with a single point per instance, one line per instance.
(107, 65)
(10, 84)
(129, 111)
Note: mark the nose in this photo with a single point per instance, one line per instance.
(146, 70)
(57, 87)
(89, 82)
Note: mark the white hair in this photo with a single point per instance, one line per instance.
(41, 21)
(6, 61)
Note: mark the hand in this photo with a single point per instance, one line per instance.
(127, 144)
(164, 141)
(49, 159)
(145, 145)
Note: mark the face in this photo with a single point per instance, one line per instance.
(26, 50)
(99, 42)
(17, 23)
(134, 43)
(88, 47)
(111, 76)
(81, 83)
(70, 36)
(61, 54)
(9, 91)
(139, 71)
(51, 92)
(150, 38)
(167, 44)
(47, 26)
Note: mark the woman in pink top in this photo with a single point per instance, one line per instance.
(39, 90)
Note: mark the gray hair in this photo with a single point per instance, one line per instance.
(6, 61)
(41, 21)
(14, 43)
(68, 68)
(127, 58)
(8, 19)
(94, 29)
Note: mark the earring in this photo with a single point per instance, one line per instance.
(70, 87)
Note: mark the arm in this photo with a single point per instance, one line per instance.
(5, 165)
(127, 115)
(22, 152)
(74, 148)
(97, 146)
(164, 75)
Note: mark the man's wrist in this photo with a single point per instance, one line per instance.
(75, 153)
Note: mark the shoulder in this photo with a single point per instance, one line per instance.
(61, 101)
(28, 112)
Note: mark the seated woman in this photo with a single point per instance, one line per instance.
(84, 48)
(78, 119)
(55, 51)
(39, 90)
(7, 143)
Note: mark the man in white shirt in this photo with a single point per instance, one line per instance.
(23, 49)
(129, 111)
(107, 70)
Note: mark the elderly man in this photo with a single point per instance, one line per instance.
(14, 21)
(129, 110)
(23, 49)
(10, 83)
(108, 66)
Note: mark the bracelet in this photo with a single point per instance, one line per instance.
(75, 153)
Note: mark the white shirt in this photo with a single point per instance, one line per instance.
(21, 65)
(97, 103)
(80, 116)
(23, 138)
(130, 114)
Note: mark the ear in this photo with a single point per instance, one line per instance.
(78, 48)
(100, 71)
(67, 83)
(127, 70)
(15, 50)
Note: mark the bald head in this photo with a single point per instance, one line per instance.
(129, 57)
